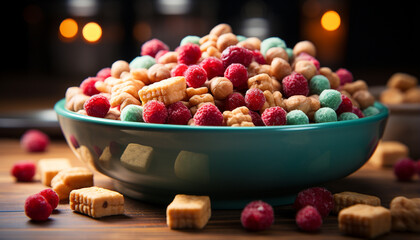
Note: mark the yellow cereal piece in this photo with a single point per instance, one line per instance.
(188, 211)
(167, 91)
(388, 153)
(69, 179)
(364, 220)
(49, 167)
(347, 199)
(405, 214)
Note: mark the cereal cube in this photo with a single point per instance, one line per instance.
(167, 91)
(49, 167)
(364, 220)
(405, 214)
(388, 153)
(69, 179)
(347, 199)
(188, 211)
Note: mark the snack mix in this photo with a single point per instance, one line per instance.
(264, 78)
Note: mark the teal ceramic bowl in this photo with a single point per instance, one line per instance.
(234, 166)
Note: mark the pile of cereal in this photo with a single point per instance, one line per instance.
(401, 88)
(223, 79)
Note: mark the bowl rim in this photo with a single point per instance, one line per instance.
(60, 109)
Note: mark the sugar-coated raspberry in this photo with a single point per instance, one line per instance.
(257, 216)
(208, 115)
(357, 111)
(308, 219)
(238, 75)
(305, 56)
(405, 169)
(97, 106)
(274, 116)
(178, 113)
(254, 99)
(213, 66)
(234, 100)
(88, 86)
(345, 106)
(195, 76)
(51, 196)
(189, 53)
(258, 57)
(34, 141)
(152, 47)
(104, 73)
(179, 70)
(24, 171)
(160, 54)
(155, 112)
(344, 75)
(235, 54)
(295, 84)
(256, 118)
(37, 208)
(318, 197)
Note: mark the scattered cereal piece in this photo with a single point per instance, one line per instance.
(347, 199)
(405, 214)
(405, 169)
(308, 219)
(69, 179)
(37, 207)
(188, 211)
(388, 153)
(167, 91)
(318, 197)
(34, 141)
(24, 171)
(49, 167)
(257, 216)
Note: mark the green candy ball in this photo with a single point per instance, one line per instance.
(145, 61)
(347, 116)
(330, 98)
(132, 113)
(270, 43)
(318, 84)
(325, 114)
(370, 111)
(190, 39)
(296, 117)
(289, 52)
(240, 38)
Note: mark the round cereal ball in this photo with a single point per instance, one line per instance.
(296, 117)
(318, 84)
(330, 98)
(145, 61)
(325, 114)
(347, 116)
(240, 38)
(370, 111)
(274, 116)
(190, 39)
(132, 113)
(272, 42)
(304, 46)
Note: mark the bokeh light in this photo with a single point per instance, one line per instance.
(331, 20)
(68, 28)
(92, 32)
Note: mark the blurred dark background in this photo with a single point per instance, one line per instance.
(374, 40)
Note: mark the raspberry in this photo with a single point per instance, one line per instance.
(34, 141)
(24, 171)
(208, 115)
(189, 53)
(51, 196)
(318, 197)
(104, 73)
(97, 106)
(254, 99)
(274, 116)
(357, 111)
(234, 100)
(295, 84)
(160, 54)
(308, 219)
(238, 75)
(155, 112)
(305, 56)
(88, 86)
(213, 66)
(345, 106)
(344, 75)
(152, 47)
(37, 207)
(405, 169)
(235, 54)
(178, 113)
(195, 76)
(179, 70)
(256, 118)
(258, 57)
(257, 216)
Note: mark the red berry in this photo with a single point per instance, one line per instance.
(295, 84)
(345, 106)
(258, 57)
(189, 53)
(405, 169)
(308, 219)
(24, 171)
(152, 47)
(236, 54)
(208, 115)
(37, 207)
(155, 112)
(344, 75)
(34, 141)
(97, 106)
(234, 100)
(179, 70)
(213, 66)
(238, 75)
(274, 116)
(256, 118)
(88, 86)
(257, 216)
(51, 196)
(357, 111)
(195, 76)
(318, 197)
(104, 73)
(305, 56)
(160, 54)
(178, 113)
(254, 99)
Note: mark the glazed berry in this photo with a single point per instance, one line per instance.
(178, 113)
(295, 84)
(238, 75)
(152, 47)
(318, 197)
(405, 169)
(345, 106)
(189, 53)
(308, 219)
(195, 76)
(34, 141)
(257, 216)
(256, 118)
(235, 54)
(24, 171)
(258, 57)
(88, 86)
(213, 66)
(208, 115)
(51, 196)
(344, 75)
(104, 73)
(179, 70)
(37, 208)
(97, 106)
(274, 116)
(155, 112)
(254, 99)
(160, 54)
(234, 100)
(357, 111)
(307, 57)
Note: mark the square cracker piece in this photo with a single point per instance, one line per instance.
(69, 179)
(405, 214)
(49, 167)
(347, 199)
(97, 202)
(388, 153)
(188, 211)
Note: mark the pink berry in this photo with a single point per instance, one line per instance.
(235, 54)
(104, 73)
(307, 57)
(160, 54)
(195, 76)
(208, 115)
(308, 219)
(344, 75)
(152, 47)
(189, 53)
(345, 106)
(295, 84)
(179, 70)
(256, 118)
(51, 196)
(357, 111)
(318, 197)
(213, 66)
(97, 106)
(257, 216)
(234, 100)
(155, 112)
(405, 169)
(24, 171)
(238, 75)
(34, 141)
(274, 116)
(37, 208)
(258, 57)
(88, 86)
(178, 113)
(254, 99)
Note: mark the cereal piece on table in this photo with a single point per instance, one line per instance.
(69, 179)
(405, 214)
(188, 211)
(167, 91)
(97, 202)
(347, 199)
(49, 167)
(388, 153)
(364, 220)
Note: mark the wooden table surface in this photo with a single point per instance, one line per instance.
(144, 221)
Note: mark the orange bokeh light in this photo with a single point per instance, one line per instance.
(92, 32)
(331, 20)
(68, 28)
